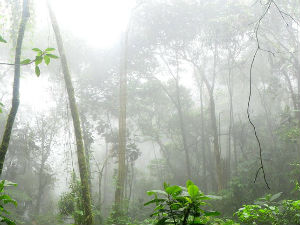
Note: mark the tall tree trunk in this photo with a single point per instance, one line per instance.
(16, 86)
(181, 122)
(83, 170)
(203, 136)
(40, 189)
(105, 178)
(41, 173)
(219, 164)
(230, 129)
(119, 193)
(183, 135)
(87, 147)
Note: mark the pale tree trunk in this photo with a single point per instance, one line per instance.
(104, 178)
(203, 136)
(217, 152)
(182, 128)
(87, 147)
(41, 173)
(230, 129)
(83, 170)
(119, 193)
(16, 86)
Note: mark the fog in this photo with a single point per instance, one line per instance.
(193, 105)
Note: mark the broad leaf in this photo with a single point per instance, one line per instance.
(47, 59)
(37, 71)
(38, 60)
(188, 183)
(156, 201)
(173, 190)
(2, 39)
(49, 49)
(37, 50)
(52, 56)
(152, 192)
(276, 196)
(193, 190)
(25, 61)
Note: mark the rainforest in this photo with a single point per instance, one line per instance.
(149, 112)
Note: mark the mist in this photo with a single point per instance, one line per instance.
(144, 112)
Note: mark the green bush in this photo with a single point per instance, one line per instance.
(266, 211)
(4, 200)
(180, 205)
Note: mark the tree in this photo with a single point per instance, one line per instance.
(16, 86)
(83, 169)
(119, 194)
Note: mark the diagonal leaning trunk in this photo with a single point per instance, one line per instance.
(16, 86)
(83, 169)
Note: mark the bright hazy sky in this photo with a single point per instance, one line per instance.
(99, 22)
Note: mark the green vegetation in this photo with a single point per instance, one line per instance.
(4, 200)
(150, 112)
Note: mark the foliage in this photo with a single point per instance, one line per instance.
(4, 200)
(266, 211)
(41, 56)
(2, 39)
(218, 221)
(70, 203)
(1, 106)
(180, 205)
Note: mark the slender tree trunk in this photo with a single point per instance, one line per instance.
(203, 136)
(181, 123)
(217, 153)
(230, 129)
(16, 86)
(87, 147)
(219, 164)
(131, 180)
(41, 189)
(41, 171)
(83, 170)
(119, 193)
(210, 89)
(184, 140)
(105, 177)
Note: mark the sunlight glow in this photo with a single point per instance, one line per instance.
(99, 22)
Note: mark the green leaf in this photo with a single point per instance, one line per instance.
(9, 183)
(37, 50)
(37, 71)
(38, 60)
(162, 221)
(47, 59)
(173, 190)
(193, 190)
(156, 200)
(156, 192)
(276, 196)
(52, 56)
(25, 61)
(211, 213)
(49, 49)
(188, 183)
(2, 39)
(215, 197)
(79, 212)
